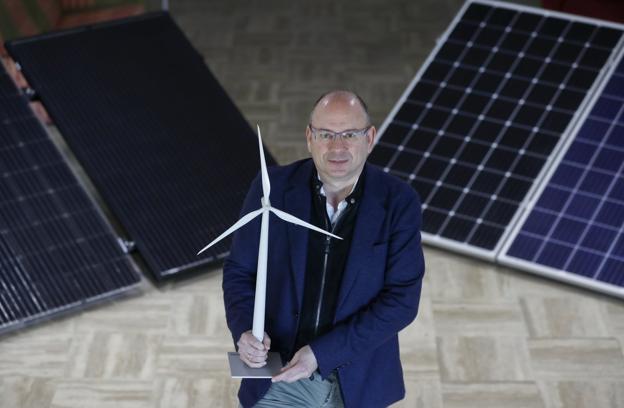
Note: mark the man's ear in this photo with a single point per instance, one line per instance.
(372, 134)
(308, 134)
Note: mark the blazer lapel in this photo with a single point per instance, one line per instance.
(297, 201)
(369, 220)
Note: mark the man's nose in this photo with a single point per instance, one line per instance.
(337, 142)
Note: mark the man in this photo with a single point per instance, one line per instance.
(333, 307)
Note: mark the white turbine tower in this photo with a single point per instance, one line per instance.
(259, 305)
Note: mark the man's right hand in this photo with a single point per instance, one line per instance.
(253, 352)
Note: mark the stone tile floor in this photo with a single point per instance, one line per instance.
(486, 336)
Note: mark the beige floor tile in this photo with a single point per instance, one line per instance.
(206, 279)
(219, 392)
(420, 359)
(492, 395)
(26, 392)
(467, 348)
(457, 279)
(110, 355)
(197, 314)
(531, 284)
(423, 327)
(483, 359)
(103, 394)
(615, 316)
(504, 319)
(44, 356)
(148, 313)
(420, 394)
(51, 326)
(584, 359)
(193, 357)
(418, 345)
(578, 394)
(564, 317)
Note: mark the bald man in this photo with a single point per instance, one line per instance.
(333, 307)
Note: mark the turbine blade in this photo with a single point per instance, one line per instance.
(266, 184)
(244, 220)
(295, 220)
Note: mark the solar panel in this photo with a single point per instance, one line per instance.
(56, 251)
(480, 121)
(163, 143)
(575, 228)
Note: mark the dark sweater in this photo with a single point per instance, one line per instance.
(326, 260)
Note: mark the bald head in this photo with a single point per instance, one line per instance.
(346, 102)
(339, 160)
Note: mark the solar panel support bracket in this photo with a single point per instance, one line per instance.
(126, 245)
(30, 93)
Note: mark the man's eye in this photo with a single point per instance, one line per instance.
(349, 135)
(325, 135)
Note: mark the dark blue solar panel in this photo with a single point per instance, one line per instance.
(165, 146)
(56, 250)
(475, 129)
(577, 224)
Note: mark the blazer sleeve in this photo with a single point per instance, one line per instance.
(395, 306)
(239, 269)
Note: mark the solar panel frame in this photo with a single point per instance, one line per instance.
(442, 242)
(49, 227)
(162, 254)
(504, 258)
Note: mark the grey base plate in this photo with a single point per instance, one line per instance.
(238, 369)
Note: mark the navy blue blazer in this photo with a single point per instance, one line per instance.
(378, 297)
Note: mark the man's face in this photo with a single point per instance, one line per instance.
(339, 161)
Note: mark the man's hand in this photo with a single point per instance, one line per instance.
(302, 365)
(251, 351)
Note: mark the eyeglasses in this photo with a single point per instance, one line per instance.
(347, 136)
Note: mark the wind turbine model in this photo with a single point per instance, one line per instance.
(237, 367)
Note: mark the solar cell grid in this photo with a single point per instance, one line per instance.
(493, 100)
(56, 252)
(172, 158)
(577, 222)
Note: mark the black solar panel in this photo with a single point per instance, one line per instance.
(56, 250)
(168, 150)
(478, 124)
(577, 222)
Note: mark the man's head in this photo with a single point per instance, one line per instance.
(339, 159)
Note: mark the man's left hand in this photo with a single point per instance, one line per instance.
(302, 365)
